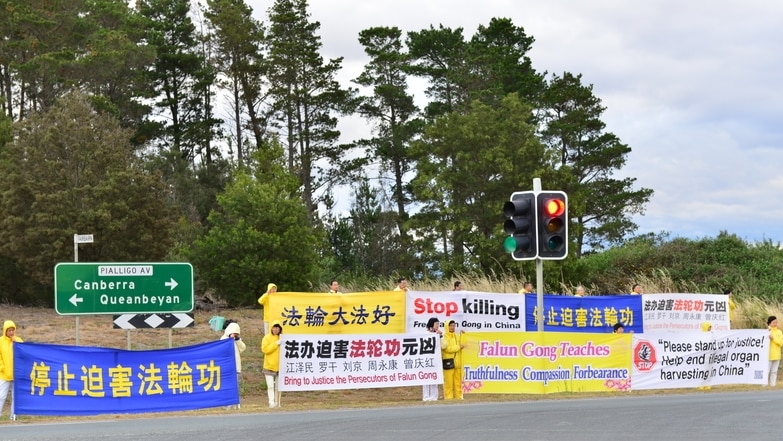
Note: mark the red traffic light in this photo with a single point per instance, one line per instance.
(554, 207)
(552, 225)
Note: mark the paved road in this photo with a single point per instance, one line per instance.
(697, 416)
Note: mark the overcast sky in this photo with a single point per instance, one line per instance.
(694, 88)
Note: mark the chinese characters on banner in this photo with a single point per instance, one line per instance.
(78, 380)
(321, 362)
(684, 312)
(399, 312)
(355, 313)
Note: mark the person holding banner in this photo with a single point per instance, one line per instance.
(264, 301)
(451, 350)
(775, 343)
(7, 365)
(270, 346)
(232, 332)
(429, 392)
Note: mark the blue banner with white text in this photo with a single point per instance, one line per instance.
(597, 314)
(79, 380)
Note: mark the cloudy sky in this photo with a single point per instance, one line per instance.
(694, 88)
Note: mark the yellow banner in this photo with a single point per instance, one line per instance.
(379, 312)
(542, 363)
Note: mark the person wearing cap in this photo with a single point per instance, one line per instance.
(7, 365)
(264, 302)
(429, 392)
(270, 346)
(232, 332)
(451, 348)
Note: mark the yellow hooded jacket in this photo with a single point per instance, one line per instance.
(264, 300)
(775, 343)
(7, 353)
(450, 345)
(270, 346)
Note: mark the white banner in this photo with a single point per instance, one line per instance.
(473, 311)
(684, 312)
(322, 362)
(666, 360)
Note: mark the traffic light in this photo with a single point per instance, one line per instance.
(552, 209)
(521, 225)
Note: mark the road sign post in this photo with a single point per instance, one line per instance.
(123, 288)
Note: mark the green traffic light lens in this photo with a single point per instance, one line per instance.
(510, 244)
(513, 244)
(554, 242)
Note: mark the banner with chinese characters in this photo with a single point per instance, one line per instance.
(545, 362)
(321, 362)
(684, 312)
(594, 314)
(666, 360)
(381, 312)
(473, 311)
(78, 380)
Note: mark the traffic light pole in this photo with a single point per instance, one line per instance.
(539, 274)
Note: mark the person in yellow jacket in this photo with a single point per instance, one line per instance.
(527, 288)
(7, 365)
(451, 348)
(775, 343)
(270, 346)
(732, 306)
(264, 301)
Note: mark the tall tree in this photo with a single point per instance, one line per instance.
(239, 40)
(588, 157)
(71, 170)
(47, 48)
(466, 164)
(181, 77)
(306, 97)
(390, 109)
(489, 66)
(439, 55)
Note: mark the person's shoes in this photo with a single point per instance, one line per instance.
(13, 417)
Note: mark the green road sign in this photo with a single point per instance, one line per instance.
(120, 288)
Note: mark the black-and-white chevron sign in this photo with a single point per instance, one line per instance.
(138, 321)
